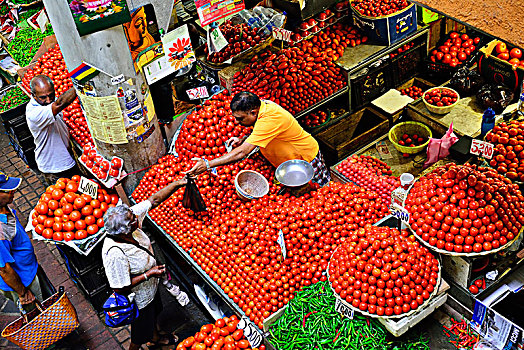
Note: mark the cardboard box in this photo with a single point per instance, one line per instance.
(427, 16)
(225, 76)
(499, 71)
(387, 30)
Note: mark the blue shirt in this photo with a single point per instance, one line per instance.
(17, 250)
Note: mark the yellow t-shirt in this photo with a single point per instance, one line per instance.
(280, 137)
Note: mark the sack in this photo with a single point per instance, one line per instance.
(192, 198)
(51, 321)
(439, 148)
(119, 310)
(466, 82)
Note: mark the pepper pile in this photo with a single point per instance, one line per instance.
(12, 98)
(461, 335)
(311, 322)
(26, 43)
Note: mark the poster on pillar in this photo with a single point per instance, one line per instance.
(177, 46)
(91, 16)
(142, 33)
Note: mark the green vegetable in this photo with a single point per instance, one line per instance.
(12, 98)
(311, 322)
(26, 43)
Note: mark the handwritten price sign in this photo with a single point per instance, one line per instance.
(88, 187)
(196, 93)
(282, 243)
(343, 309)
(484, 149)
(282, 34)
(252, 334)
(400, 213)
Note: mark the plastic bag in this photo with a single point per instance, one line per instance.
(466, 82)
(496, 97)
(439, 148)
(192, 198)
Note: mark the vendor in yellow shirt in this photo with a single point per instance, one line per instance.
(275, 131)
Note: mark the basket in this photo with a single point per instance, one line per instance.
(396, 132)
(57, 319)
(437, 109)
(250, 184)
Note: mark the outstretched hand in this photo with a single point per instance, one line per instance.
(198, 168)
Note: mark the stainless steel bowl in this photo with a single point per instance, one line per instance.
(294, 173)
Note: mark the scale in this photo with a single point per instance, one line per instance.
(295, 176)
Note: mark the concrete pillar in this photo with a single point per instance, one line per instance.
(108, 50)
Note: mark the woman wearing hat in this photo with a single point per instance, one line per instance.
(18, 265)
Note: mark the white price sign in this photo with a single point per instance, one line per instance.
(216, 40)
(343, 309)
(88, 187)
(282, 243)
(400, 213)
(484, 149)
(282, 34)
(198, 92)
(250, 332)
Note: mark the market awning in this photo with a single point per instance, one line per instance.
(502, 19)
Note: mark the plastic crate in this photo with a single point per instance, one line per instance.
(408, 64)
(98, 298)
(82, 263)
(92, 281)
(13, 113)
(370, 83)
(18, 127)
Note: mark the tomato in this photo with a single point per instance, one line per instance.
(68, 236)
(47, 233)
(80, 234)
(57, 236)
(516, 53)
(501, 48)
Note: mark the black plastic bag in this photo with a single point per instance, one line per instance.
(496, 97)
(466, 82)
(192, 198)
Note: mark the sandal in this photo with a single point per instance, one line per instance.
(172, 339)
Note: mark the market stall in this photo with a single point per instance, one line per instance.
(357, 263)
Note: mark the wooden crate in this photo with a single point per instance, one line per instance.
(418, 82)
(350, 133)
(225, 76)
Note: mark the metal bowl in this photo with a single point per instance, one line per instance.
(294, 173)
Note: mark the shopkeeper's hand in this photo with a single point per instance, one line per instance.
(156, 271)
(198, 168)
(233, 142)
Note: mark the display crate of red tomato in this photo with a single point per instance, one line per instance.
(315, 119)
(454, 51)
(502, 64)
(65, 214)
(109, 172)
(508, 155)
(385, 22)
(407, 63)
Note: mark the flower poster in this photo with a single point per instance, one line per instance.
(178, 49)
(95, 15)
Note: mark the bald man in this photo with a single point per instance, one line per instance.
(44, 118)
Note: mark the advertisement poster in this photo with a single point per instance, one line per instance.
(211, 10)
(141, 31)
(95, 15)
(177, 46)
(105, 118)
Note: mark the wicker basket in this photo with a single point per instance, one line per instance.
(250, 184)
(437, 109)
(396, 132)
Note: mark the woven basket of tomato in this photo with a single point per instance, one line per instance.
(465, 210)
(383, 272)
(65, 215)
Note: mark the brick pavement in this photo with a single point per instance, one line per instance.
(92, 333)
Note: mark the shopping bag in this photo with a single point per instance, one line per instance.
(439, 148)
(51, 321)
(192, 198)
(119, 310)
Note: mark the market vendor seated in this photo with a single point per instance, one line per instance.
(275, 131)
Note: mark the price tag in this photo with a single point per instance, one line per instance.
(250, 332)
(282, 243)
(42, 21)
(400, 213)
(282, 34)
(198, 92)
(88, 187)
(217, 40)
(484, 149)
(343, 309)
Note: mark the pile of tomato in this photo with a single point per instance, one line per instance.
(440, 97)
(508, 156)
(315, 119)
(512, 55)
(221, 335)
(378, 8)
(53, 65)
(414, 92)
(455, 50)
(62, 213)
(383, 271)
(465, 209)
(370, 173)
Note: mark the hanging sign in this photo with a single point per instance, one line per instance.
(95, 15)
(484, 149)
(211, 10)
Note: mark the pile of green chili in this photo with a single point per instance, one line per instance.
(12, 98)
(311, 322)
(28, 13)
(26, 43)
(22, 2)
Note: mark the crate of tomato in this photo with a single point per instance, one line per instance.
(502, 64)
